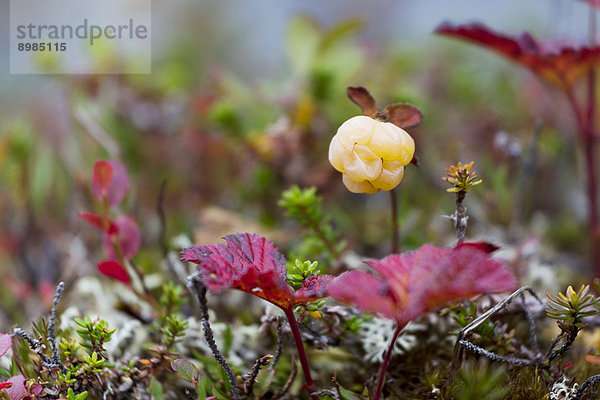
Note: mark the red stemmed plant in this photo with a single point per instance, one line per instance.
(564, 66)
(410, 284)
(252, 264)
(120, 235)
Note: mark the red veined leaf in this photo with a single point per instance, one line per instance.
(403, 115)
(560, 64)
(248, 262)
(127, 238)
(114, 270)
(413, 283)
(5, 343)
(100, 222)
(361, 97)
(110, 181)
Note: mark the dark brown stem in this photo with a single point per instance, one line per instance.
(310, 384)
(386, 361)
(395, 228)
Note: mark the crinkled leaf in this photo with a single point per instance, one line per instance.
(127, 238)
(561, 65)
(5, 343)
(185, 369)
(248, 262)
(403, 115)
(313, 288)
(100, 222)
(363, 99)
(114, 270)
(415, 282)
(110, 181)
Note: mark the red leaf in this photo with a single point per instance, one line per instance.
(114, 270)
(100, 222)
(110, 181)
(5, 385)
(361, 97)
(5, 343)
(17, 390)
(413, 283)
(365, 291)
(562, 65)
(127, 238)
(103, 174)
(248, 262)
(403, 115)
(313, 288)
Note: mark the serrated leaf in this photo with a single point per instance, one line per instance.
(412, 283)
(559, 64)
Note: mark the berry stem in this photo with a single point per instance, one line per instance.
(386, 361)
(310, 384)
(395, 228)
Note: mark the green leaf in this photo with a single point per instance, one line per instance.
(302, 43)
(41, 179)
(348, 395)
(156, 389)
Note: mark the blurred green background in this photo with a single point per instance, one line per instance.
(241, 104)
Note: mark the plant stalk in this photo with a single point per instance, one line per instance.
(585, 125)
(386, 361)
(395, 228)
(310, 384)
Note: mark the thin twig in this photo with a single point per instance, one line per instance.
(493, 356)
(288, 383)
(327, 392)
(460, 217)
(250, 377)
(531, 321)
(199, 289)
(279, 343)
(584, 387)
(483, 317)
(52, 324)
(570, 338)
(35, 345)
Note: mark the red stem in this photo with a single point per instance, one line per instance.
(585, 125)
(310, 384)
(386, 361)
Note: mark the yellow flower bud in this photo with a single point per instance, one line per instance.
(371, 154)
